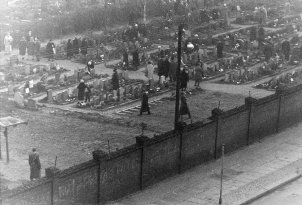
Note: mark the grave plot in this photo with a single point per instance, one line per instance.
(287, 80)
(21, 73)
(103, 96)
(136, 109)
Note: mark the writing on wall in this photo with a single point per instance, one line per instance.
(76, 186)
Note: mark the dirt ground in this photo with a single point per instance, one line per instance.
(72, 139)
(200, 104)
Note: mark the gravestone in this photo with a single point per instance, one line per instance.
(19, 99)
(115, 94)
(126, 89)
(70, 92)
(92, 72)
(96, 83)
(102, 83)
(136, 93)
(27, 70)
(2, 76)
(101, 95)
(227, 77)
(57, 77)
(49, 96)
(31, 83)
(65, 95)
(162, 80)
(122, 90)
(75, 92)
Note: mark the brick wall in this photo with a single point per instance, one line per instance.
(110, 176)
(198, 144)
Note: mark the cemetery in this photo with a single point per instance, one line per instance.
(16, 74)
(285, 80)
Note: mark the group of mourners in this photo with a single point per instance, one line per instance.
(30, 45)
(78, 45)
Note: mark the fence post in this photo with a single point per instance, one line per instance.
(216, 115)
(249, 104)
(279, 92)
(50, 173)
(99, 156)
(141, 142)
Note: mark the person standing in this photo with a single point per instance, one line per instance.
(184, 79)
(160, 68)
(135, 58)
(198, 74)
(125, 59)
(145, 104)
(172, 69)
(87, 93)
(69, 49)
(81, 90)
(166, 67)
(286, 49)
(35, 165)
(8, 39)
(149, 71)
(37, 48)
(219, 50)
(90, 65)
(50, 48)
(22, 47)
(31, 48)
(184, 109)
(84, 47)
(75, 46)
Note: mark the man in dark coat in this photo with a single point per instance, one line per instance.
(160, 67)
(184, 79)
(50, 50)
(87, 92)
(35, 165)
(22, 47)
(145, 104)
(286, 49)
(166, 67)
(184, 109)
(172, 70)
(84, 47)
(75, 46)
(125, 59)
(219, 49)
(81, 90)
(135, 58)
(69, 49)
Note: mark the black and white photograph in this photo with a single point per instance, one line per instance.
(150, 102)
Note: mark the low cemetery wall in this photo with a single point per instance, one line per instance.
(112, 175)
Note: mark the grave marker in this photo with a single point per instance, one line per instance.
(49, 96)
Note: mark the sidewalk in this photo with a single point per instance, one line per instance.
(248, 173)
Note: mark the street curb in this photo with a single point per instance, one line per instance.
(253, 199)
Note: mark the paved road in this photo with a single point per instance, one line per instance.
(288, 195)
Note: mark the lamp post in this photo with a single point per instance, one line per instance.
(189, 46)
(180, 30)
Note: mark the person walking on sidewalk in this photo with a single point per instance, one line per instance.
(35, 165)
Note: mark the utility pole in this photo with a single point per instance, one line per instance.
(180, 31)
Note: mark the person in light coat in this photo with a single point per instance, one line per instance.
(150, 71)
